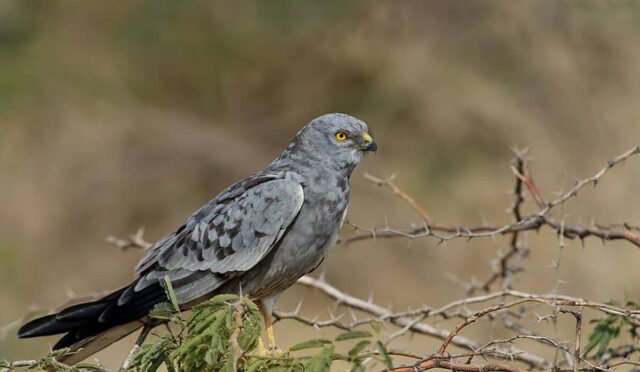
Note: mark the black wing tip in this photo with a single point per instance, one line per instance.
(24, 332)
(38, 327)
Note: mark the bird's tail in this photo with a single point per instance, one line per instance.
(92, 326)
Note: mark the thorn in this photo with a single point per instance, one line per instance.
(336, 304)
(331, 315)
(353, 315)
(298, 307)
(140, 233)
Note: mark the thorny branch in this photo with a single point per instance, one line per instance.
(382, 314)
(34, 364)
(451, 310)
(533, 221)
(505, 306)
(505, 268)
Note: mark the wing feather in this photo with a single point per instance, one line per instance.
(229, 235)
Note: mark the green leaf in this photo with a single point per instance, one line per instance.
(163, 310)
(166, 283)
(352, 334)
(322, 362)
(605, 330)
(60, 352)
(384, 355)
(310, 344)
(210, 357)
(169, 364)
(594, 339)
(358, 348)
(604, 342)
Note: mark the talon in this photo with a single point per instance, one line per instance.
(269, 327)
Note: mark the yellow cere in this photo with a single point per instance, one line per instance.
(367, 138)
(341, 136)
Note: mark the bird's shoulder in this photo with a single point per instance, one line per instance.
(257, 186)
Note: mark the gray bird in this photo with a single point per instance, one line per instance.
(257, 237)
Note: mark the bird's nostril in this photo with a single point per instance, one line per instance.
(367, 138)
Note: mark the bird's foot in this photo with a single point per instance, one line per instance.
(269, 351)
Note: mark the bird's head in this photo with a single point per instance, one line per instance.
(336, 139)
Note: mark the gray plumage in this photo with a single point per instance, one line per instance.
(257, 237)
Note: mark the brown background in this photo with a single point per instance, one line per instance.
(121, 114)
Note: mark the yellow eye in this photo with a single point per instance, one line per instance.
(341, 136)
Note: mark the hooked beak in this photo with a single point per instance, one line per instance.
(368, 143)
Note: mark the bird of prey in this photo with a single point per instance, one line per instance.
(257, 237)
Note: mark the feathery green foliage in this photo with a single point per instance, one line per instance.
(609, 328)
(222, 334)
(49, 363)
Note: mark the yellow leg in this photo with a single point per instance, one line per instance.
(269, 326)
(272, 340)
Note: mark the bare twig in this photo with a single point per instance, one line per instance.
(444, 362)
(593, 180)
(577, 352)
(388, 182)
(421, 328)
(146, 329)
(51, 364)
(530, 222)
(472, 319)
(135, 241)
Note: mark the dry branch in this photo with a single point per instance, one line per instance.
(385, 315)
(531, 222)
(504, 306)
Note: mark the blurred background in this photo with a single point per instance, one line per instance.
(116, 115)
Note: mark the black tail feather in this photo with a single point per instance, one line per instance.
(46, 326)
(92, 318)
(86, 311)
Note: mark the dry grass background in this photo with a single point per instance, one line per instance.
(116, 115)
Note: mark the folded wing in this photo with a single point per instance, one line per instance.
(228, 236)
